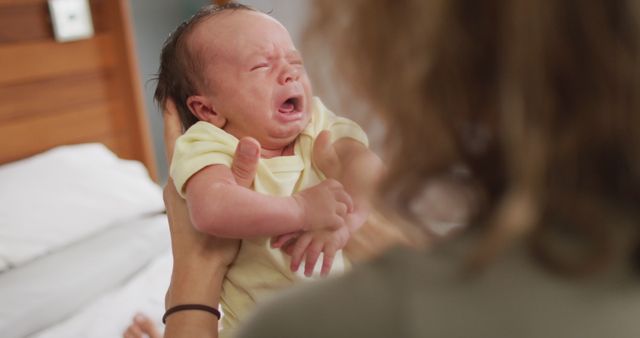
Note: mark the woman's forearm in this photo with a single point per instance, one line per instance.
(194, 282)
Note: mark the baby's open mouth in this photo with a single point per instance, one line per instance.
(291, 105)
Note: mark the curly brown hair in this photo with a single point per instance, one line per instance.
(537, 98)
(180, 68)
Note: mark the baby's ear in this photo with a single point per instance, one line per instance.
(203, 109)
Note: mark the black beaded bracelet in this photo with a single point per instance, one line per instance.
(183, 307)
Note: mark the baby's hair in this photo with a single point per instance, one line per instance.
(179, 72)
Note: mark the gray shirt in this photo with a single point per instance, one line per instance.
(407, 293)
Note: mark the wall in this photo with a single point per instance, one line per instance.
(153, 21)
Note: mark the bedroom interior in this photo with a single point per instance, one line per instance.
(83, 238)
(84, 242)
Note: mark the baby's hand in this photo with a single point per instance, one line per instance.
(324, 206)
(310, 244)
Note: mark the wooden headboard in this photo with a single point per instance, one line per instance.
(64, 93)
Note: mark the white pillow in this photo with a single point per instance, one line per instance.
(60, 196)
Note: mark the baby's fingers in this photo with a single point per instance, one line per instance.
(312, 254)
(288, 248)
(327, 261)
(338, 222)
(280, 241)
(343, 197)
(298, 251)
(342, 210)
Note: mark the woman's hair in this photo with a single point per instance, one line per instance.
(179, 75)
(539, 99)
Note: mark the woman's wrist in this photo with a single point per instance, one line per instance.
(191, 324)
(199, 266)
(196, 284)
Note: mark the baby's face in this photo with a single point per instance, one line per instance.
(257, 81)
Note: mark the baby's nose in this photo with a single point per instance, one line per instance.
(288, 74)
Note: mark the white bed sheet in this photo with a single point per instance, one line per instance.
(55, 287)
(108, 316)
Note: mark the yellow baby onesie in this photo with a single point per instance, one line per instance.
(259, 270)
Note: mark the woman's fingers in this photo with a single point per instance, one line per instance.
(325, 156)
(245, 161)
(177, 212)
(172, 127)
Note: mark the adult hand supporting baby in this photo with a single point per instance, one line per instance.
(359, 170)
(200, 261)
(245, 161)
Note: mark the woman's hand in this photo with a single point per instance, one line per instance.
(359, 170)
(200, 261)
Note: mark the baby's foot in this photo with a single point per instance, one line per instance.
(141, 327)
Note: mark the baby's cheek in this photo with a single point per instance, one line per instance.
(306, 84)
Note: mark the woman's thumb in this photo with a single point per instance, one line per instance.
(325, 157)
(245, 161)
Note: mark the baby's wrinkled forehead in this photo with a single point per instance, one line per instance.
(242, 31)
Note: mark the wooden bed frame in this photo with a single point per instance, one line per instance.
(55, 93)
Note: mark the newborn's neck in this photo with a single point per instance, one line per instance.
(284, 151)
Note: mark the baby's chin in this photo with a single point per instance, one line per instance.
(284, 137)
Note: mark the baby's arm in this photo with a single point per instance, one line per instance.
(220, 207)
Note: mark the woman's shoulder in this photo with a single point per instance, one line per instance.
(407, 293)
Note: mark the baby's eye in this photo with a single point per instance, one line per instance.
(260, 66)
(296, 62)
